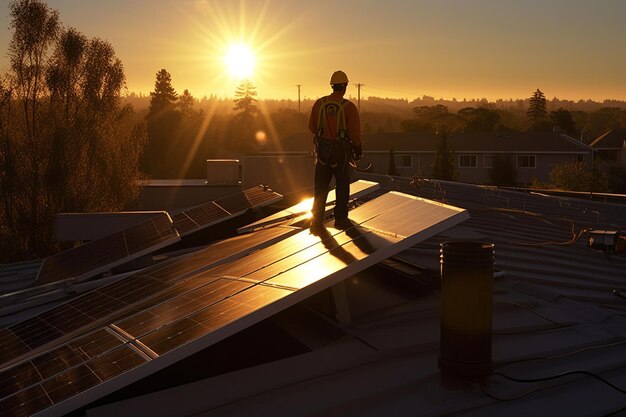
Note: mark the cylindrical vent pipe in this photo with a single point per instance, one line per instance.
(466, 309)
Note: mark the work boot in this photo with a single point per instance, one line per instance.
(343, 224)
(317, 229)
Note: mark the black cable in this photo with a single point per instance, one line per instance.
(562, 355)
(562, 374)
(533, 312)
(543, 329)
(495, 397)
(561, 327)
(541, 380)
(611, 332)
(575, 236)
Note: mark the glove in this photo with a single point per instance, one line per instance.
(357, 152)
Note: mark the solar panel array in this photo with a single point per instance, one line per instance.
(358, 189)
(205, 215)
(101, 255)
(100, 342)
(39, 336)
(92, 258)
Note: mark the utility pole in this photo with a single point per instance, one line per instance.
(358, 89)
(298, 85)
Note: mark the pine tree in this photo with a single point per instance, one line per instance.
(245, 97)
(186, 102)
(163, 122)
(537, 108)
(164, 96)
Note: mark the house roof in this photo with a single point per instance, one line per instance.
(475, 142)
(613, 139)
(518, 142)
(554, 313)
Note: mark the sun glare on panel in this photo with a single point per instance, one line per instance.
(240, 61)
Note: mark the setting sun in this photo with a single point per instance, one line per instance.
(240, 61)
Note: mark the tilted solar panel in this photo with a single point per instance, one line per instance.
(100, 255)
(236, 203)
(198, 218)
(116, 298)
(205, 215)
(97, 256)
(260, 196)
(358, 189)
(211, 304)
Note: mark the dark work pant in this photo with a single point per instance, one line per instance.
(323, 176)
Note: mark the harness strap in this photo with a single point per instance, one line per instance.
(321, 118)
(341, 117)
(342, 139)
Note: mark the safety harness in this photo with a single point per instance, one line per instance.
(331, 108)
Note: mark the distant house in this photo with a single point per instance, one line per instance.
(533, 155)
(611, 146)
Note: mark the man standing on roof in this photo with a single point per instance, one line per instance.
(335, 122)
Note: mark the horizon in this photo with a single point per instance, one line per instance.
(408, 99)
(403, 50)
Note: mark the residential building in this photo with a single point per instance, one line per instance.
(611, 146)
(532, 154)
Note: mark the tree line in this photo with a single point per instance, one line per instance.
(181, 137)
(67, 142)
(535, 117)
(583, 119)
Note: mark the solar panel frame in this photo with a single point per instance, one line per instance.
(61, 387)
(48, 364)
(200, 217)
(100, 255)
(358, 189)
(134, 291)
(235, 203)
(255, 300)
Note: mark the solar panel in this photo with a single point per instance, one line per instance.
(211, 304)
(100, 255)
(95, 307)
(205, 215)
(358, 189)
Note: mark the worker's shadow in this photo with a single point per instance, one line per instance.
(339, 251)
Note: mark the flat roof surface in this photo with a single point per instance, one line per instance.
(554, 313)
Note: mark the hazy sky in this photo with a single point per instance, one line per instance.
(443, 48)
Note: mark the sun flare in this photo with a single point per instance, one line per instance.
(240, 61)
